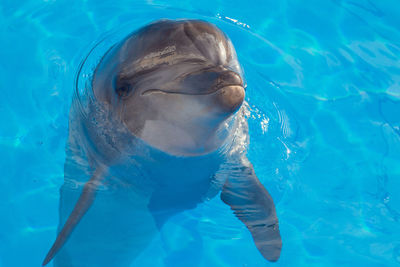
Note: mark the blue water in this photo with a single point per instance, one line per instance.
(324, 95)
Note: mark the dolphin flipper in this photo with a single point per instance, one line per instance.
(254, 206)
(82, 206)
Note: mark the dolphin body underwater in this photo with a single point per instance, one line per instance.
(164, 131)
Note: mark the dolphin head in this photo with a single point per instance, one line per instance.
(174, 84)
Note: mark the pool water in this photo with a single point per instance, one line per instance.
(324, 98)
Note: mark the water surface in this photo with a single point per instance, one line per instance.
(324, 96)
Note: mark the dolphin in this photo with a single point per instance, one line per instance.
(164, 130)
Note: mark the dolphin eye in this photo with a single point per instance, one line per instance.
(123, 88)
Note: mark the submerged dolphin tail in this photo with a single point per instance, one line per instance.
(84, 202)
(254, 206)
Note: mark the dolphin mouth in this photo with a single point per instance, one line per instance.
(160, 91)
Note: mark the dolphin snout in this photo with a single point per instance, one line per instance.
(230, 98)
(208, 81)
(204, 82)
(227, 78)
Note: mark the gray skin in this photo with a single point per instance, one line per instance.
(165, 130)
